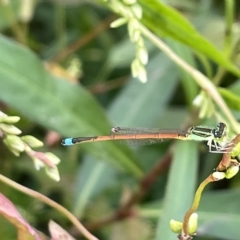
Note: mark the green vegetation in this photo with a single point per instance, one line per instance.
(78, 68)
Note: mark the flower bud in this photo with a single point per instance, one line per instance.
(204, 103)
(134, 67)
(218, 176)
(236, 150)
(9, 119)
(2, 114)
(140, 42)
(135, 36)
(142, 55)
(119, 22)
(37, 163)
(232, 171)
(53, 173)
(192, 224)
(118, 7)
(15, 144)
(176, 226)
(142, 74)
(10, 129)
(26, 10)
(133, 30)
(52, 158)
(137, 11)
(32, 141)
(197, 101)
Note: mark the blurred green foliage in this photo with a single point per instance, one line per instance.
(63, 69)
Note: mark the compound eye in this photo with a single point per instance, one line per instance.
(220, 130)
(115, 129)
(215, 133)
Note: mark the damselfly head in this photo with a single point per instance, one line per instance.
(220, 131)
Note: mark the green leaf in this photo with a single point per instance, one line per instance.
(92, 179)
(167, 22)
(180, 187)
(189, 84)
(56, 104)
(232, 100)
(235, 87)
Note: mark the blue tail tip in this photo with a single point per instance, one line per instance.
(67, 142)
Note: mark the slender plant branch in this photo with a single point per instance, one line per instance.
(107, 86)
(16, 29)
(224, 164)
(201, 79)
(196, 202)
(83, 40)
(51, 203)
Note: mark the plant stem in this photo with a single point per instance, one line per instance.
(201, 79)
(51, 203)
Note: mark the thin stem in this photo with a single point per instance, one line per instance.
(195, 202)
(16, 29)
(222, 166)
(201, 79)
(229, 18)
(107, 86)
(51, 203)
(83, 40)
(59, 24)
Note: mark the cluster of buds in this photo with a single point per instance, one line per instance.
(131, 13)
(17, 144)
(230, 172)
(177, 227)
